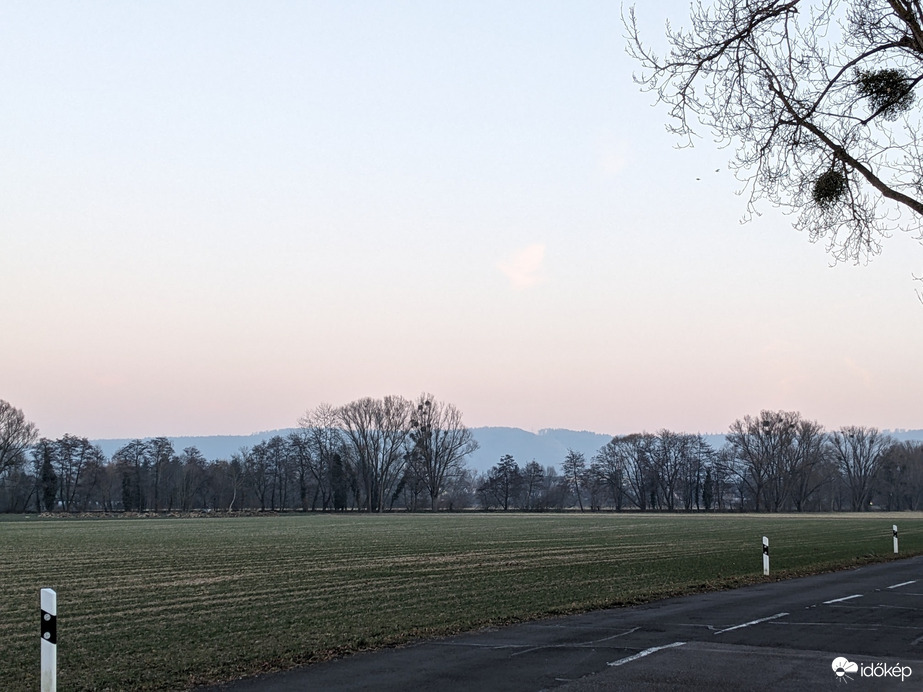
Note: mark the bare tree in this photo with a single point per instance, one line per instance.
(320, 430)
(859, 452)
(900, 479)
(533, 480)
(73, 458)
(234, 472)
(192, 477)
(724, 475)
(16, 434)
(440, 443)
(764, 447)
(818, 98)
(132, 462)
(809, 467)
(610, 464)
(279, 457)
(363, 442)
(375, 431)
(696, 455)
(460, 490)
(629, 457)
(573, 467)
(557, 489)
(593, 482)
(258, 472)
(161, 454)
(669, 455)
(303, 460)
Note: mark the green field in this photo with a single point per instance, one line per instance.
(163, 604)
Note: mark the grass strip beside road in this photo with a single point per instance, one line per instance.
(164, 604)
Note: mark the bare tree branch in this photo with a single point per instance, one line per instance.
(805, 90)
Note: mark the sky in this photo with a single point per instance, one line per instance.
(217, 215)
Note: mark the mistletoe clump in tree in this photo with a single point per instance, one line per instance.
(819, 100)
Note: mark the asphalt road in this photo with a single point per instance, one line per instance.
(776, 636)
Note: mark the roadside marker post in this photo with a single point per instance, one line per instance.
(894, 531)
(765, 556)
(49, 634)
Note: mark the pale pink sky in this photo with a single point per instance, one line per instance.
(217, 216)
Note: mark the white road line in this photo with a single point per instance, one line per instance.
(903, 583)
(616, 636)
(646, 652)
(845, 598)
(752, 622)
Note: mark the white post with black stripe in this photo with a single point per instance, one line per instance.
(765, 556)
(894, 531)
(49, 632)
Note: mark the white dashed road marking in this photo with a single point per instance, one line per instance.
(845, 598)
(903, 583)
(752, 622)
(646, 652)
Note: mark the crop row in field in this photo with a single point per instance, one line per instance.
(164, 604)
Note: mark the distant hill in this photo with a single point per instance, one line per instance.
(548, 446)
(906, 435)
(212, 446)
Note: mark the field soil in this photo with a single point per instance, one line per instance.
(167, 603)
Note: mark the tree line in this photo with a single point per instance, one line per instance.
(377, 455)
(370, 454)
(777, 461)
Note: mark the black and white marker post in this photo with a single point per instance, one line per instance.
(894, 531)
(765, 556)
(49, 632)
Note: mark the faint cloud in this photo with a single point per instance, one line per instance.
(524, 268)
